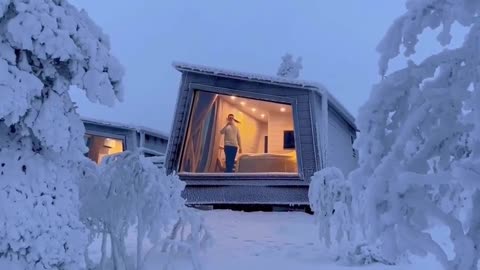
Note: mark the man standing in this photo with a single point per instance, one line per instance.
(232, 142)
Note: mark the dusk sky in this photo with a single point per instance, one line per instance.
(336, 40)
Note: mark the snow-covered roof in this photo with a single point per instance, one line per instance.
(138, 128)
(313, 86)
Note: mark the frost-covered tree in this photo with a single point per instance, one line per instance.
(414, 158)
(129, 190)
(46, 46)
(331, 201)
(289, 68)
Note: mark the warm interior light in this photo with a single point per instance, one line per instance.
(232, 97)
(253, 109)
(109, 143)
(282, 109)
(243, 103)
(262, 115)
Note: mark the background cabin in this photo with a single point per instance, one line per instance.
(106, 138)
(289, 129)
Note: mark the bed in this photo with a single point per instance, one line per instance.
(267, 162)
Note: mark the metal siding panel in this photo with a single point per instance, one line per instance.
(315, 107)
(340, 148)
(306, 139)
(310, 169)
(304, 123)
(264, 181)
(304, 109)
(183, 125)
(106, 129)
(247, 178)
(303, 114)
(309, 160)
(242, 92)
(303, 99)
(298, 146)
(307, 145)
(173, 145)
(305, 131)
(200, 78)
(246, 195)
(253, 87)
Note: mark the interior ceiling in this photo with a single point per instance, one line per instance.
(256, 107)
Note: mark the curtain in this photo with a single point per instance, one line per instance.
(199, 136)
(215, 151)
(208, 140)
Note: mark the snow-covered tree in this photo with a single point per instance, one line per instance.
(129, 190)
(289, 68)
(331, 201)
(412, 147)
(46, 46)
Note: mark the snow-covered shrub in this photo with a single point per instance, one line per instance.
(330, 197)
(129, 190)
(288, 68)
(188, 236)
(331, 201)
(412, 167)
(45, 48)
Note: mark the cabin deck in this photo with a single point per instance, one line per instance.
(267, 190)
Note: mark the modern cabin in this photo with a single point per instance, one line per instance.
(105, 138)
(288, 130)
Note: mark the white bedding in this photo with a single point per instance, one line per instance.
(267, 162)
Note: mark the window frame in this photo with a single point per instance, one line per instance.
(107, 135)
(292, 101)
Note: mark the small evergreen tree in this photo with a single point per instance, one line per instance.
(288, 68)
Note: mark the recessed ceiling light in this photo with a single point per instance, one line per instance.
(262, 115)
(243, 103)
(233, 97)
(253, 109)
(282, 109)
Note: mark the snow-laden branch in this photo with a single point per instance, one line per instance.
(45, 48)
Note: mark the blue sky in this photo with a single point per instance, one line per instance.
(336, 40)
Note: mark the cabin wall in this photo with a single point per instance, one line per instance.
(320, 140)
(130, 137)
(337, 138)
(155, 143)
(277, 123)
(341, 135)
(301, 102)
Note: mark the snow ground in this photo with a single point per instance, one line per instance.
(268, 240)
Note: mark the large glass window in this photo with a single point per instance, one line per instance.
(232, 134)
(99, 147)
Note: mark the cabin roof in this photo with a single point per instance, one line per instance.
(292, 83)
(137, 128)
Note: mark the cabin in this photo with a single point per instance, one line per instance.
(288, 129)
(105, 138)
